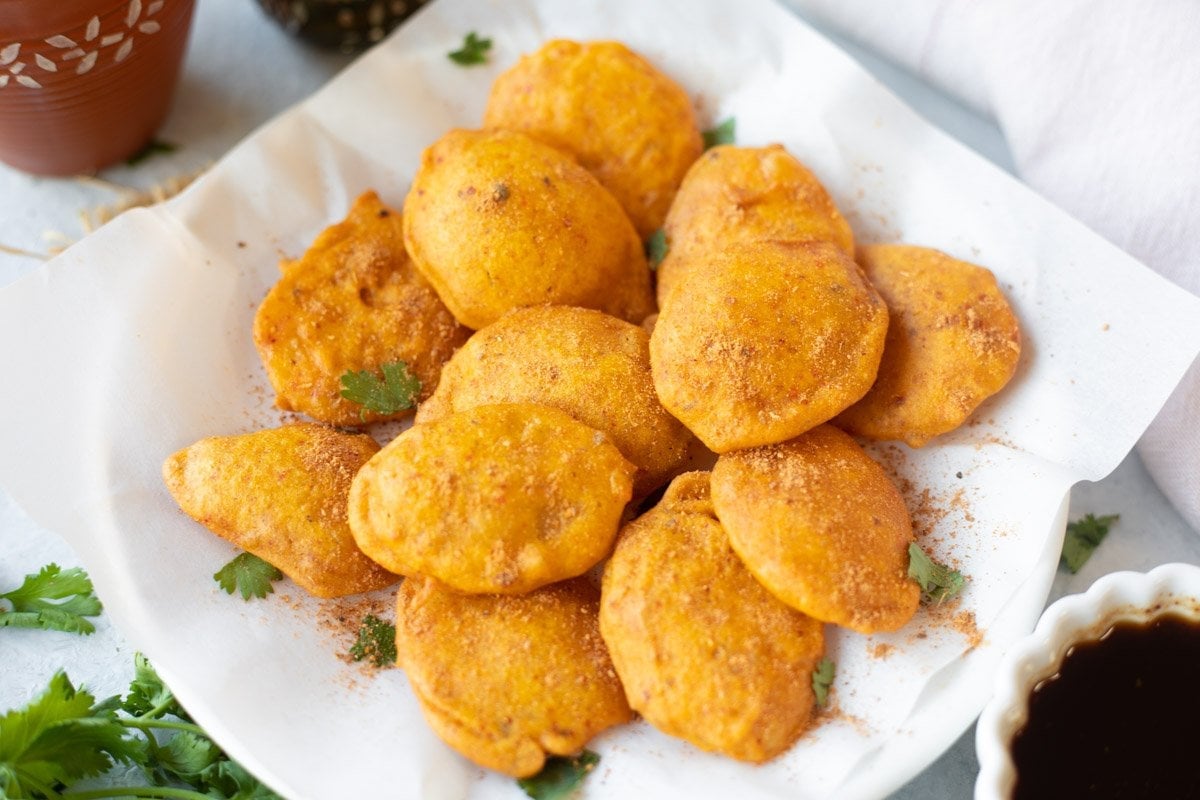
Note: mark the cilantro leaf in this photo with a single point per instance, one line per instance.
(724, 133)
(656, 248)
(57, 739)
(152, 148)
(248, 574)
(473, 51)
(233, 781)
(561, 777)
(376, 642)
(187, 756)
(148, 696)
(53, 599)
(1083, 537)
(938, 582)
(822, 680)
(396, 392)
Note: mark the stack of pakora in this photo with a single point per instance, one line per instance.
(514, 299)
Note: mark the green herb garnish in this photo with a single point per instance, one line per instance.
(473, 51)
(396, 392)
(248, 574)
(822, 680)
(725, 133)
(938, 582)
(561, 777)
(1083, 537)
(656, 248)
(54, 599)
(152, 148)
(64, 736)
(376, 642)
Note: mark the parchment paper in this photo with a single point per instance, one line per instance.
(137, 342)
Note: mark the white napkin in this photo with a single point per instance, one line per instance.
(1098, 102)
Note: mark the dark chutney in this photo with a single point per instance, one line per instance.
(1120, 719)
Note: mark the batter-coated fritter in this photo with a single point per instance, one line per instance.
(586, 363)
(495, 499)
(496, 221)
(627, 123)
(823, 527)
(762, 341)
(953, 342)
(352, 302)
(704, 651)
(744, 194)
(281, 495)
(507, 680)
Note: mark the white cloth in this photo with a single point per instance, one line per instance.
(1098, 101)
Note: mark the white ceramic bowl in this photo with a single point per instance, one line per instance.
(1135, 596)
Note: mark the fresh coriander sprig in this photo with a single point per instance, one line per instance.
(396, 392)
(560, 777)
(724, 133)
(64, 736)
(473, 51)
(152, 148)
(656, 248)
(1083, 537)
(822, 680)
(376, 642)
(248, 574)
(938, 582)
(54, 599)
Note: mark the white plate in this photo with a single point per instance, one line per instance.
(137, 342)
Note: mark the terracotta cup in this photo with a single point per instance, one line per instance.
(86, 83)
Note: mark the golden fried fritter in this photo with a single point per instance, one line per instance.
(499, 498)
(627, 123)
(745, 194)
(496, 221)
(953, 341)
(704, 651)
(281, 495)
(586, 363)
(507, 680)
(823, 527)
(352, 302)
(762, 341)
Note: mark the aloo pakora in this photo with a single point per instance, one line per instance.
(352, 302)
(648, 137)
(745, 194)
(821, 525)
(704, 652)
(507, 680)
(281, 495)
(496, 221)
(586, 363)
(762, 341)
(952, 343)
(495, 499)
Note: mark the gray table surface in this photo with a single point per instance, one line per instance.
(226, 93)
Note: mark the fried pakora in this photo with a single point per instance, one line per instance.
(586, 363)
(953, 341)
(745, 194)
(352, 302)
(281, 495)
(649, 136)
(507, 680)
(704, 652)
(495, 499)
(762, 341)
(821, 525)
(496, 221)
